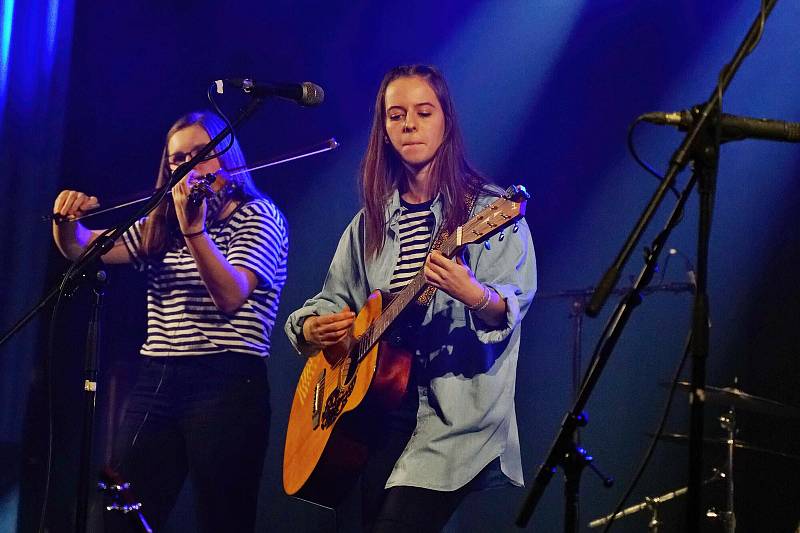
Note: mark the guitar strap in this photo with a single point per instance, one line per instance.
(426, 296)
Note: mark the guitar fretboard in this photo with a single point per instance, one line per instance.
(400, 301)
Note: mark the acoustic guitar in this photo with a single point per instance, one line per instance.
(344, 389)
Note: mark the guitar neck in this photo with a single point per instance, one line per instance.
(398, 304)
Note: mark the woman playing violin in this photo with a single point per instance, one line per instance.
(215, 269)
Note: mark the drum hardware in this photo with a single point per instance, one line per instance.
(716, 441)
(652, 504)
(728, 422)
(575, 457)
(733, 398)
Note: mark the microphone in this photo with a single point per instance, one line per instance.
(733, 127)
(306, 93)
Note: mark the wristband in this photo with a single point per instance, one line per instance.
(195, 234)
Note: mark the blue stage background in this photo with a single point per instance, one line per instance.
(545, 91)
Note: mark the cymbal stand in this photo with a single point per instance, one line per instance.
(652, 504)
(576, 314)
(728, 517)
(728, 423)
(653, 524)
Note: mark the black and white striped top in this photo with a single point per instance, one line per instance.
(415, 230)
(181, 317)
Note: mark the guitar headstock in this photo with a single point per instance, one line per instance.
(506, 210)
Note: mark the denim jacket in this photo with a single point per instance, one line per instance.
(466, 369)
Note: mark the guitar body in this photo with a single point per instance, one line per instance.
(337, 406)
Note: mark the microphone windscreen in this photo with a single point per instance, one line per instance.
(312, 94)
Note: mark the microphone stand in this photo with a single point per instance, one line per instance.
(701, 144)
(564, 452)
(576, 457)
(86, 267)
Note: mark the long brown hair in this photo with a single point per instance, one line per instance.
(382, 169)
(161, 224)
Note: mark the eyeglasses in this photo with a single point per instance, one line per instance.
(178, 158)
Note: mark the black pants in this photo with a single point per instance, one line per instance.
(401, 509)
(202, 416)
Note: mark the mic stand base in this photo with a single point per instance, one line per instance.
(573, 463)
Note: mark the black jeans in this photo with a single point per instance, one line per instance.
(416, 510)
(401, 509)
(205, 416)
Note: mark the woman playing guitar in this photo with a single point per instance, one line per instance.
(455, 431)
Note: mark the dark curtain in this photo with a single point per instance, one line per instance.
(35, 47)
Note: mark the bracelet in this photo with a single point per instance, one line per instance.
(195, 234)
(483, 303)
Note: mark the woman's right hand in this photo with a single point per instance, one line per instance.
(327, 330)
(72, 204)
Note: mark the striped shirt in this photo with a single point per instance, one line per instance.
(181, 317)
(415, 228)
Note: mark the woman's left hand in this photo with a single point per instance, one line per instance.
(453, 277)
(191, 216)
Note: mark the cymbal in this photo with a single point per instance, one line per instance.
(733, 397)
(681, 438)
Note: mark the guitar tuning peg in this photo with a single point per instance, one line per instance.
(501, 236)
(487, 245)
(515, 228)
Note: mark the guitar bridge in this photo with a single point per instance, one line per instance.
(319, 394)
(335, 405)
